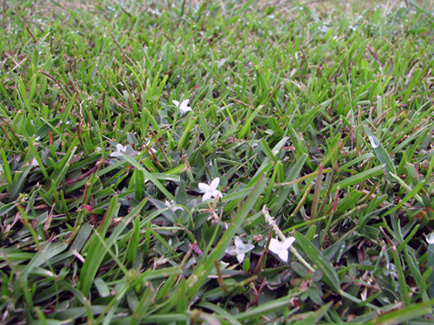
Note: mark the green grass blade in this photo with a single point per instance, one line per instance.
(323, 265)
(404, 315)
(150, 176)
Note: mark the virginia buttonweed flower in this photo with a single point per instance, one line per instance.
(210, 190)
(120, 149)
(281, 249)
(183, 107)
(239, 249)
(172, 206)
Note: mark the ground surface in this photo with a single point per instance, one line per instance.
(307, 121)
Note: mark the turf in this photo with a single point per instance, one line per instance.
(308, 131)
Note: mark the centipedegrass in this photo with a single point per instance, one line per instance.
(218, 162)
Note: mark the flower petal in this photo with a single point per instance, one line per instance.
(288, 242)
(175, 102)
(206, 196)
(204, 188)
(240, 257)
(184, 105)
(243, 248)
(238, 243)
(184, 108)
(232, 250)
(116, 154)
(215, 183)
(217, 194)
(283, 254)
(248, 248)
(275, 246)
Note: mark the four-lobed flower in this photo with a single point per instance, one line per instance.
(120, 149)
(172, 206)
(281, 249)
(239, 249)
(183, 106)
(210, 190)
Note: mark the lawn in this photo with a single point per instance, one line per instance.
(219, 162)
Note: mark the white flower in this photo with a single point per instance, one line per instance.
(281, 249)
(184, 108)
(210, 190)
(240, 249)
(172, 205)
(430, 238)
(119, 150)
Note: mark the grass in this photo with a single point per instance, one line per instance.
(316, 118)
